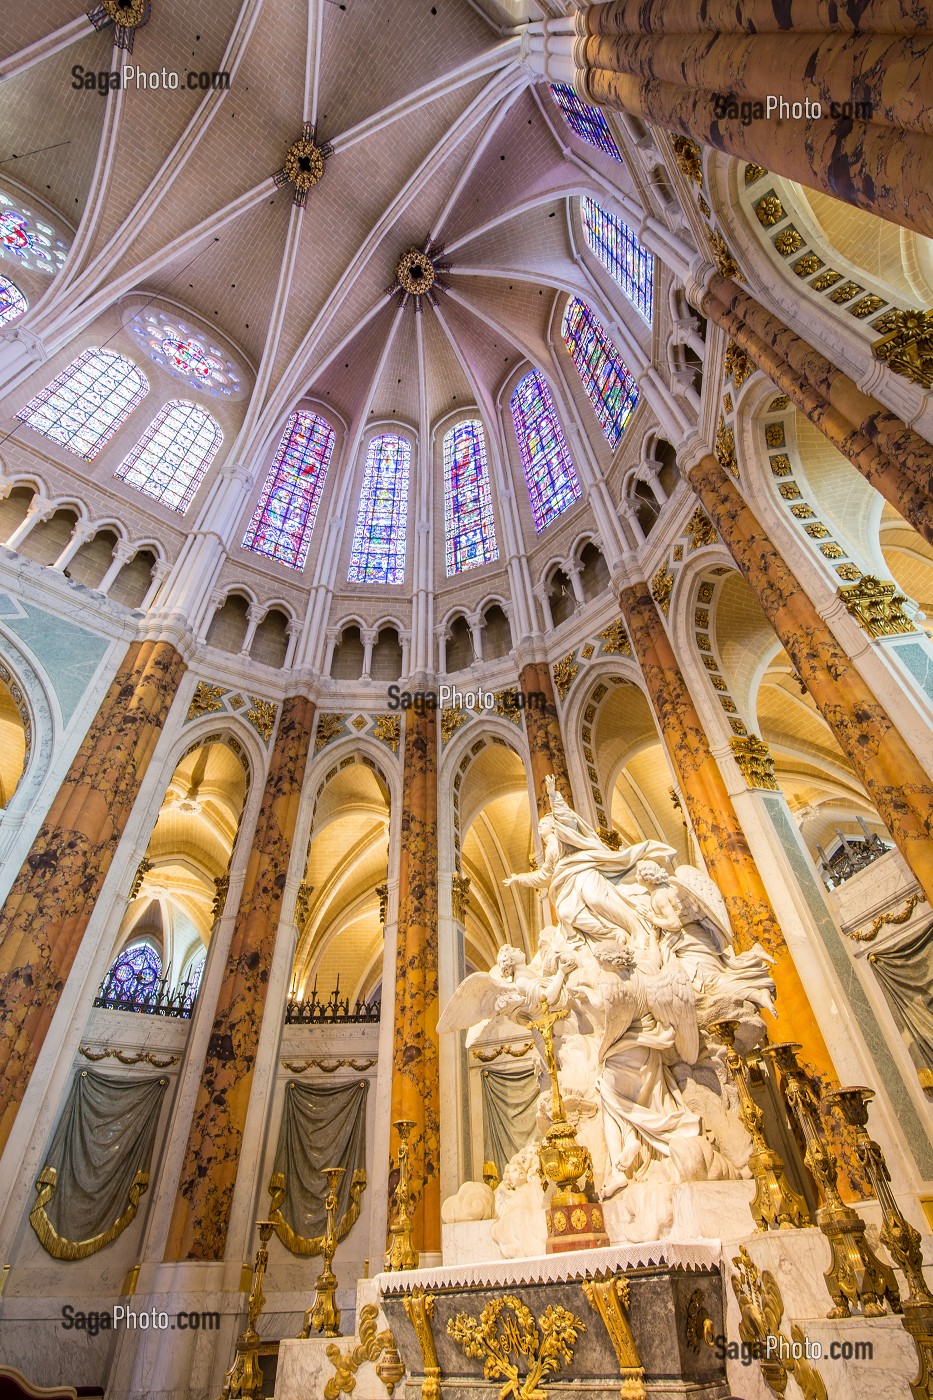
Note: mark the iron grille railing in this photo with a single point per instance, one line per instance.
(159, 999)
(334, 1010)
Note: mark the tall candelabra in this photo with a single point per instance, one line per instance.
(324, 1315)
(400, 1253)
(244, 1379)
(856, 1276)
(897, 1234)
(776, 1205)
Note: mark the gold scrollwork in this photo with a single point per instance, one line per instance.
(57, 1245)
(755, 761)
(126, 1058)
(327, 1066)
(875, 927)
(451, 720)
(662, 586)
(737, 366)
(699, 1325)
(302, 1244)
(725, 448)
(689, 158)
(372, 1345)
(615, 640)
(206, 700)
(328, 728)
(876, 606)
(907, 345)
(420, 1309)
(762, 1307)
(261, 715)
(513, 1341)
(460, 895)
(722, 256)
(610, 1298)
(700, 530)
(487, 1056)
(387, 730)
(564, 672)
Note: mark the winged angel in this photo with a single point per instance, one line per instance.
(640, 958)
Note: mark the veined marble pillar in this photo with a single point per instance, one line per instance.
(895, 781)
(721, 838)
(416, 1092)
(545, 742)
(759, 17)
(48, 908)
(890, 455)
(205, 1192)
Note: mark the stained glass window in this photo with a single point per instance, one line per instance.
(170, 459)
(378, 554)
(611, 388)
(12, 301)
(549, 471)
(193, 975)
(85, 404)
(284, 517)
(621, 254)
(135, 975)
(470, 527)
(588, 122)
(173, 345)
(27, 240)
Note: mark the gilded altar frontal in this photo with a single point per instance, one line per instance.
(466, 700)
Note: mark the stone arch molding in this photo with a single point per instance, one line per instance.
(42, 718)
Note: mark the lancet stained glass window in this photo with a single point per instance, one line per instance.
(283, 520)
(12, 301)
(378, 554)
(549, 471)
(609, 385)
(621, 254)
(470, 527)
(135, 975)
(588, 122)
(85, 404)
(170, 459)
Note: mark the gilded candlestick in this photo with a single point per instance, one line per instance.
(400, 1253)
(244, 1381)
(324, 1315)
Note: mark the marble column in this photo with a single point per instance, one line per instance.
(416, 1093)
(201, 1216)
(721, 839)
(758, 17)
(896, 782)
(896, 460)
(542, 726)
(52, 898)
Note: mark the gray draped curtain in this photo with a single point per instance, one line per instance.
(510, 1109)
(323, 1125)
(905, 972)
(97, 1165)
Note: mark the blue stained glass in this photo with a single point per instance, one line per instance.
(283, 521)
(170, 459)
(135, 975)
(470, 527)
(611, 388)
(12, 301)
(195, 969)
(378, 553)
(549, 471)
(85, 404)
(588, 122)
(621, 254)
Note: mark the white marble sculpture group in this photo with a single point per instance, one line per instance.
(641, 958)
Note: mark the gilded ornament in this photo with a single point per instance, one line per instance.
(762, 1307)
(806, 265)
(206, 700)
(324, 1315)
(698, 1327)
(515, 1349)
(727, 403)
(774, 434)
(831, 551)
(309, 1246)
(877, 607)
(303, 165)
(848, 571)
(387, 730)
(372, 1346)
(770, 210)
(846, 292)
(725, 449)
(737, 366)
(400, 1252)
(779, 404)
(825, 280)
(700, 530)
(420, 1309)
(689, 158)
(329, 726)
(705, 592)
(701, 617)
(360, 723)
(703, 642)
(126, 1057)
(417, 274)
(817, 531)
(790, 491)
(327, 1066)
(801, 512)
(261, 715)
(564, 673)
(866, 306)
(615, 640)
(754, 173)
(703, 207)
(506, 704)
(907, 345)
(558, 1222)
(718, 683)
(142, 870)
(755, 762)
(788, 241)
(244, 1380)
(780, 465)
(610, 1298)
(868, 935)
(126, 16)
(383, 892)
(460, 895)
(303, 903)
(725, 262)
(662, 586)
(451, 720)
(514, 1053)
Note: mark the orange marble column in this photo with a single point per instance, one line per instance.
(721, 838)
(883, 169)
(875, 440)
(760, 17)
(205, 1194)
(542, 726)
(48, 908)
(416, 1093)
(897, 784)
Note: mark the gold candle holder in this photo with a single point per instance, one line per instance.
(776, 1205)
(400, 1253)
(324, 1315)
(856, 1276)
(244, 1379)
